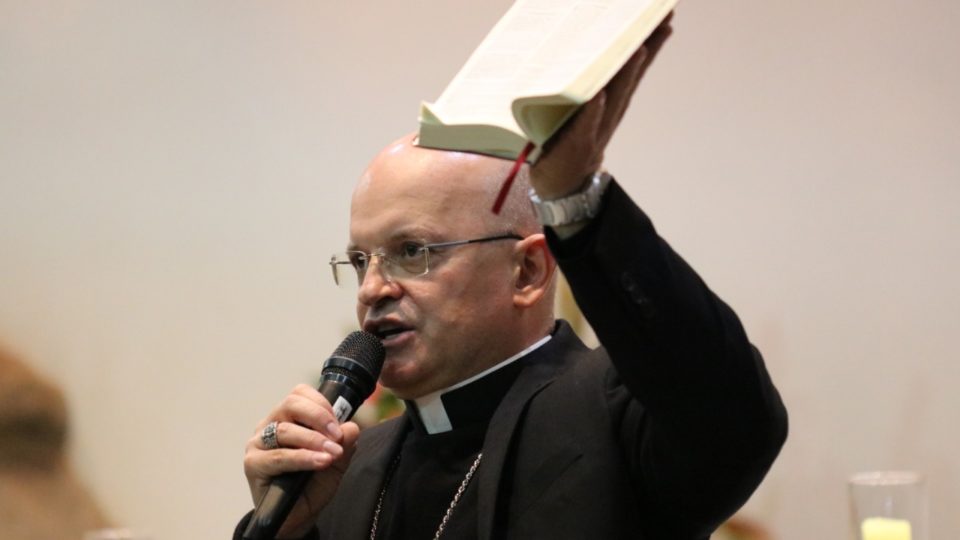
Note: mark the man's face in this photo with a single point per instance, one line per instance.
(449, 324)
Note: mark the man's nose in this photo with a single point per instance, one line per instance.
(377, 283)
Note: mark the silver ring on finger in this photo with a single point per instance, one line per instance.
(269, 436)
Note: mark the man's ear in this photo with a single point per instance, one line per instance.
(533, 271)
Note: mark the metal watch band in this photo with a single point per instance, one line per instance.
(580, 206)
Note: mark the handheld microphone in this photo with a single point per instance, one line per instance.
(348, 377)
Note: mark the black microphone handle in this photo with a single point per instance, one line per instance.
(285, 489)
(275, 505)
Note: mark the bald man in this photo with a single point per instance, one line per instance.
(513, 428)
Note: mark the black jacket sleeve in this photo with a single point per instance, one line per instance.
(701, 420)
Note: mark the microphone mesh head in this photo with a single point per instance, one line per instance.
(365, 349)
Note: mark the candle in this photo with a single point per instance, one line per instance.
(878, 528)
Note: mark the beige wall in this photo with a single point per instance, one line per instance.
(173, 176)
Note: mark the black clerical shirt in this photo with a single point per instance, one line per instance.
(435, 456)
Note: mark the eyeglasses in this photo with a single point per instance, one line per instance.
(407, 259)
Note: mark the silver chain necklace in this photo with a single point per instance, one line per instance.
(446, 517)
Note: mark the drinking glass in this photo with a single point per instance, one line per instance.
(888, 505)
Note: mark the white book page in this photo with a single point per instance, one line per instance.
(486, 85)
(588, 31)
(538, 47)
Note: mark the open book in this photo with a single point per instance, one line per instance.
(540, 62)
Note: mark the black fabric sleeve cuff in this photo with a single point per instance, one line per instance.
(579, 244)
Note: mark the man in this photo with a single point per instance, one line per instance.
(513, 428)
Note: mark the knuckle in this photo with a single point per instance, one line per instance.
(289, 401)
(303, 457)
(323, 412)
(276, 460)
(249, 464)
(314, 440)
(284, 430)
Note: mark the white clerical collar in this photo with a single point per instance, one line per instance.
(430, 407)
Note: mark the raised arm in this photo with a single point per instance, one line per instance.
(700, 420)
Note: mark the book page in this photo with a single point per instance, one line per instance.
(486, 85)
(537, 48)
(588, 32)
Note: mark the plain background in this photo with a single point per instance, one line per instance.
(174, 176)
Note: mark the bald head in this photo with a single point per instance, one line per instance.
(464, 183)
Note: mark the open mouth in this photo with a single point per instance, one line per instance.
(389, 333)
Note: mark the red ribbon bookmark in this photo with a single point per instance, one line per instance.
(505, 188)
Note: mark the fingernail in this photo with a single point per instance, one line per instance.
(332, 448)
(322, 458)
(334, 430)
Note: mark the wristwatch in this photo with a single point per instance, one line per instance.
(581, 206)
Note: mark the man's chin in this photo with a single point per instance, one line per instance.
(402, 378)
(395, 374)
